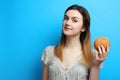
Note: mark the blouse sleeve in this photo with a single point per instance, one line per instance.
(101, 65)
(46, 55)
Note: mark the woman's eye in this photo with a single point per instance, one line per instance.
(65, 18)
(75, 20)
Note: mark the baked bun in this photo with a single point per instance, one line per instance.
(101, 41)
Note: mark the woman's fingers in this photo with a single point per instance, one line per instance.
(103, 49)
(103, 52)
(100, 55)
(107, 49)
(99, 49)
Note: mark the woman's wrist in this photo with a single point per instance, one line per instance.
(95, 66)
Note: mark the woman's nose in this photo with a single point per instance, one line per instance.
(68, 22)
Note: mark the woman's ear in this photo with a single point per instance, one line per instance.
(83, 29)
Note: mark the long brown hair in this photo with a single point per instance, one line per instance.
(84, 37)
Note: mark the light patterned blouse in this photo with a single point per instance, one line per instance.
(58, 71)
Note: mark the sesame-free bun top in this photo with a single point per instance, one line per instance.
(101, 41)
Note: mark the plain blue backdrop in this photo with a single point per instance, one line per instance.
(28, 26)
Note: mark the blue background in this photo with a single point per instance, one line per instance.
(28, 26)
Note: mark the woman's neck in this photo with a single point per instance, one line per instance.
(73, 42)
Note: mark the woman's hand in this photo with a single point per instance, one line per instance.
(100, 55)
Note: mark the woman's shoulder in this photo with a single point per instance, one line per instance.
(50, 47)
(48, 53)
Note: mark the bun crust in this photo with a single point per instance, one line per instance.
(101, 41)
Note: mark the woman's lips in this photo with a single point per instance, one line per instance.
(67, 28)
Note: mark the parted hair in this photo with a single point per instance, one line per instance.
(84, 38)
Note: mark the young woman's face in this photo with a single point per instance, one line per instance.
(72, 23)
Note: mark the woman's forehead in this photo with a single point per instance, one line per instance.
(73, 13)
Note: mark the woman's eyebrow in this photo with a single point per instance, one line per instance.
(76, 17)
(72, 17)
(65, 16)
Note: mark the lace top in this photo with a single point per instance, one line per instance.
(57, 71)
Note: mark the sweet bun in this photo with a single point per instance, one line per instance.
(101, 41)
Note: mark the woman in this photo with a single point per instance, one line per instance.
(72, 58)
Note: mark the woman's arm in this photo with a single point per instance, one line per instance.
(99, 57)
(45, 72)
(94, 73)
